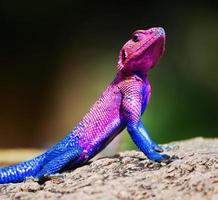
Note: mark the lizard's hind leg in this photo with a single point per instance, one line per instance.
(59, 163)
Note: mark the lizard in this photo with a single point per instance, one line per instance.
(120, 106)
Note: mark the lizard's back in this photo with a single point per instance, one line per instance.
(102, 123)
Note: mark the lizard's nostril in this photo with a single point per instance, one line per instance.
(161, 31)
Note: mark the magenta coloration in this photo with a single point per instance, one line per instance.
(105, 120)
(121, 105)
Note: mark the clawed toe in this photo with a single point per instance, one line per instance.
(158, 148)
(160, 157)
(166, 159)
(55, 176)
(169, 159)
(165, 156)
(31, 178)
(169, 147)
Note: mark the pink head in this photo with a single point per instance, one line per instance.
(142, 51)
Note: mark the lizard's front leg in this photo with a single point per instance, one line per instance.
(156, 147)
(131, 107)
(143, 143)
(146, 135)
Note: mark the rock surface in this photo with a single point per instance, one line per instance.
(129, 175)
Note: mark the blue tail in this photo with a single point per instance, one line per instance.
(19, 172)
(52, 161)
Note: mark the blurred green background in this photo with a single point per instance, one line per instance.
(57, 57)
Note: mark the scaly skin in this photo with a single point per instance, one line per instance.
(121, 105)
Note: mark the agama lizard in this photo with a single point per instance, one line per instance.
(121, 105)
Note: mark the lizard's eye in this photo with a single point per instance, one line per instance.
(136, 37)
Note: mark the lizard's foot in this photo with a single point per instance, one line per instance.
(55, 176)
(157, 147)
(161, 148)
(159, 157)
(169, 147)
(31, 178)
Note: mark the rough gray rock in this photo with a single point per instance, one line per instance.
(129, 175)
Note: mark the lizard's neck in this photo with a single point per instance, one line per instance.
(123, 75)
